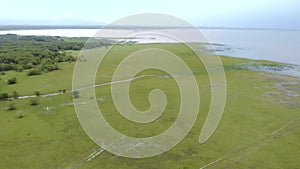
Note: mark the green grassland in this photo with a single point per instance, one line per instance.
(49, 134)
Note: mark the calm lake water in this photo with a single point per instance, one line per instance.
(274, 45)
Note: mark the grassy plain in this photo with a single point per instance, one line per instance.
(50, 136)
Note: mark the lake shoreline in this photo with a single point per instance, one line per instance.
(258, 44)
(212, 46)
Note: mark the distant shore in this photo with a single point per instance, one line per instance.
(272, 45)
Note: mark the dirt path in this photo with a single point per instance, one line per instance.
(94, 86)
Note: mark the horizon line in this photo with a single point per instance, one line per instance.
(104, 26)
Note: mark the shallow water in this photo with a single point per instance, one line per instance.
(290, 70)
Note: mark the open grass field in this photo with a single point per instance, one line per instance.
(260, 127)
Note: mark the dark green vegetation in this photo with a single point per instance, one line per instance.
(40, 53)
(260, 127)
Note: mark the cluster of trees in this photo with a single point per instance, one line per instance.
(39, 52)
(27, 52)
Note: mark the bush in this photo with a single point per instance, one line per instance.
(34, 102)
(12, 81)
(20, 114)
(49, 67)
(4, 96)
(19, 68)
(34, 72)
(37, 93)
(15, 95)
(62, 91)
(11, 106)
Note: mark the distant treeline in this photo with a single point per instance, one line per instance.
(39, 27)
(41, 53)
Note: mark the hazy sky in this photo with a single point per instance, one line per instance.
(228, 13)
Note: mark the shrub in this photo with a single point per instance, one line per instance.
(12, 81)
(15, 95)
(62, 91)
(19, 68)
(37, 93)
(49, 67)
(34, 102)
(34, 72)
(4, 96)
(20, 114)
(11, 106)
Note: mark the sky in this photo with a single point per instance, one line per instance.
(219, 13)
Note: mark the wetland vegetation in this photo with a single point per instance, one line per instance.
(259, 128)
